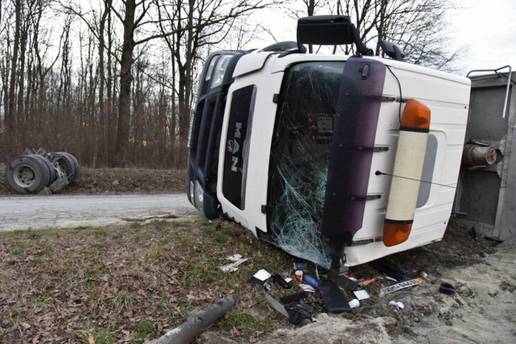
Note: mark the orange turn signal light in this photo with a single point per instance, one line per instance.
(395, 233)
(416, 115)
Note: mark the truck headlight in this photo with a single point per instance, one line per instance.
(199, 195)
(220, 70)
(191, 192)
(212, 64)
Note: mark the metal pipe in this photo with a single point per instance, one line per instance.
(196, 324)
(477, 155)
(508, 83)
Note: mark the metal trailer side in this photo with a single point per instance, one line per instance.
(486, 196)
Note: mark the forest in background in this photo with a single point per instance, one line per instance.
(114, 81)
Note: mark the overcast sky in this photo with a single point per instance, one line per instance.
(486, 29)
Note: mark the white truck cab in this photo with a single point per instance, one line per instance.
(302, 149)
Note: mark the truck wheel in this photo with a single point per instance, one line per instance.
(51, 168)
(27, 175)
(69, 165)
(77, 175)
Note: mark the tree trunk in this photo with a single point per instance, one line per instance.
(11, 105)
(102, 134)
(21, 79)
(109, 89)
(124, 101)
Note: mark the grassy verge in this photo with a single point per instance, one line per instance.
(128, 283)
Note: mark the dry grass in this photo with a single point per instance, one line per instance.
(122, 180)
(128, 283)
(136, 180)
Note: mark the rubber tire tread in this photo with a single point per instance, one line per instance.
(51, 169)
(38, 166)
(77, 174)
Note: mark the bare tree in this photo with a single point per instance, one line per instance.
(10, 115)
(124, 99)
(197, 25)
(86, 77)
(415, 25)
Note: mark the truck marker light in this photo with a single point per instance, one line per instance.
(410, 154)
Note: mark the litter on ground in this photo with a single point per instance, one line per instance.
(397, 304)
(262, 275)
(236, 260)
(402, 285)
(361, 294)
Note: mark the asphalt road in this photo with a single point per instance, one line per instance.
(58, 211)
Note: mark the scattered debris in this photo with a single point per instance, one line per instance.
(282, 282)
(447, 288)
(275, 304)
(361, 294)
(306, 288)
(346, 283)
(236, 260)
(296, 297)
(197, 323)
(391, 269)
(402, 285)
(293, 308)
(262, 275)
(148, 219)
(366, 282)
(397, 304)
(334, 300)
(354, 303)
(350, 276)
(390, 278)
(311, 281)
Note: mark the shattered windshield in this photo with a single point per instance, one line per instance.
(299, 157)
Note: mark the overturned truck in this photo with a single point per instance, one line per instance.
(336, 159)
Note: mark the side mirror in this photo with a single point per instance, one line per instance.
(329, 30)
(392, 50)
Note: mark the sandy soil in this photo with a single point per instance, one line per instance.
(482, 311)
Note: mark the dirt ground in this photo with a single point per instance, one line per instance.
(122, 180)
(483, 311)
(130, 283)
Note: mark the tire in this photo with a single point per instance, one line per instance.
(69, 165)
(27, 175)
(51, 168)
(77, 175)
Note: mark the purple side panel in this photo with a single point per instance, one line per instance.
(350, 159)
